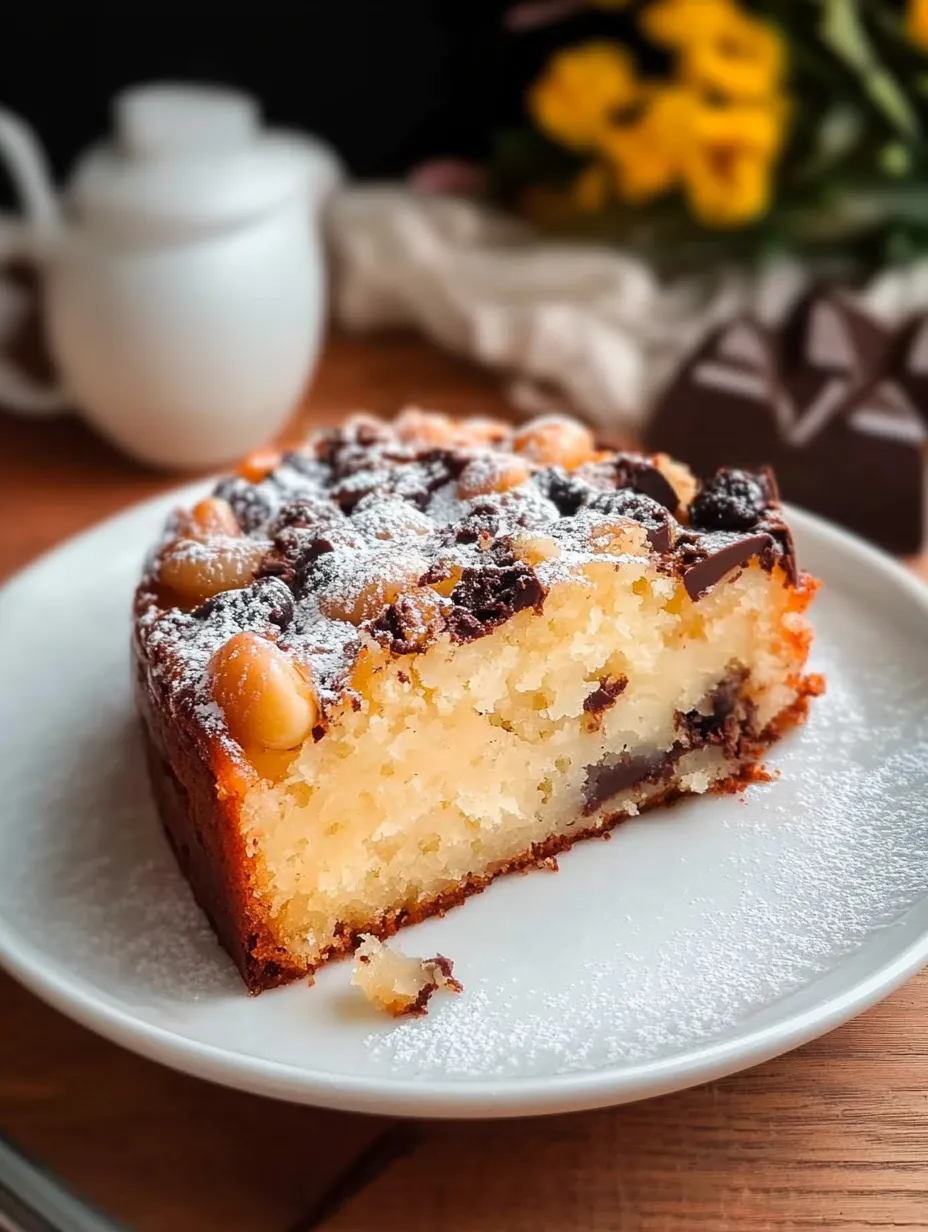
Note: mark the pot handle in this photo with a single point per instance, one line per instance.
(26, 239)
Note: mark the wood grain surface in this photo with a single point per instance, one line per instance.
(834, 1135)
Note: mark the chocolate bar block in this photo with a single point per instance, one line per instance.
(835, 403)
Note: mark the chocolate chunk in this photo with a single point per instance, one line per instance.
(401, 627)
(730, 500)
(481, 524)
(293, 554)
(617, 773)
(488, 596)
(266, 601)
(706, 559)
(909, 362)
(307, 513)
(637, 473)
(626, 503)
(833, 402)
(565, 491)
(605, 695)
(301, 461)
(715, 721)
(252, 504)
(349, 448)
(609, 689)
(357, 484)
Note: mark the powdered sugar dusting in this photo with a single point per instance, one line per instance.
(778, 893)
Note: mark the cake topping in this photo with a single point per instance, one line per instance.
(707, 560)
(194, 570)
(266, 700)
(730, 500)
(637, 473)
(403, 532)
(266, 599)
(565, 491)
(555, 440)
(492, 472)
(487, 596)
(252, 506)
(627, 503)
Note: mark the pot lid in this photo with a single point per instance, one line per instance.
(192, 158)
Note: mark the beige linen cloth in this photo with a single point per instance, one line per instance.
(570, 326)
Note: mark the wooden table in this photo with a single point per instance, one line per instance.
(832, 1136)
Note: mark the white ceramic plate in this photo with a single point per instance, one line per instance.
(700, 940)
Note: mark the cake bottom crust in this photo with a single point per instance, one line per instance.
(262, 973)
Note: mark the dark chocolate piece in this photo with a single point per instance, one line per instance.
(252, 504)
(730, 500)
(627, 503)
(307, 513)
(833, 402)
(266, 601)
(618, 772)
(643, 476)
(605, 695)
(293, 556)
(715, 722)
(401, 626)
(706, 561)
(723, 719)
(486, 597)
(826, 331)
(909, 361)
(565, 491)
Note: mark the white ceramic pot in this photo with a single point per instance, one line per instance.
(185, 293)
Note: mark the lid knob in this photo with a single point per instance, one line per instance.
(165, 120)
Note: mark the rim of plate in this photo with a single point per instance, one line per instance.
(500, 1097)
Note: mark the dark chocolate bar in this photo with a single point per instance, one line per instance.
(833, 401)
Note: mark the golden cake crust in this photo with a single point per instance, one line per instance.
(202, 824)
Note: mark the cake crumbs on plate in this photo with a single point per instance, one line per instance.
(398, 984)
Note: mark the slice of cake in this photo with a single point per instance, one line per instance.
(380, 670)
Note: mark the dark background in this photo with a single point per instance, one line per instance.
(387, 82)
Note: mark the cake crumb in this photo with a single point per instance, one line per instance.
(397, 984)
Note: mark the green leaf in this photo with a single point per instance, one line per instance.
(843, 31)
(895, 159)
(839, 132)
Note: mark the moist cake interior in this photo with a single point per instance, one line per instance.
(462, 759)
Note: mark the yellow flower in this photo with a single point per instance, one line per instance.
(721, 49)
(727, 187)
(916, 23)
(579, 91)
(745, 61)
(646, 153)
(757, 127)
(677, 23)
(728, 164)
(590, 189)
